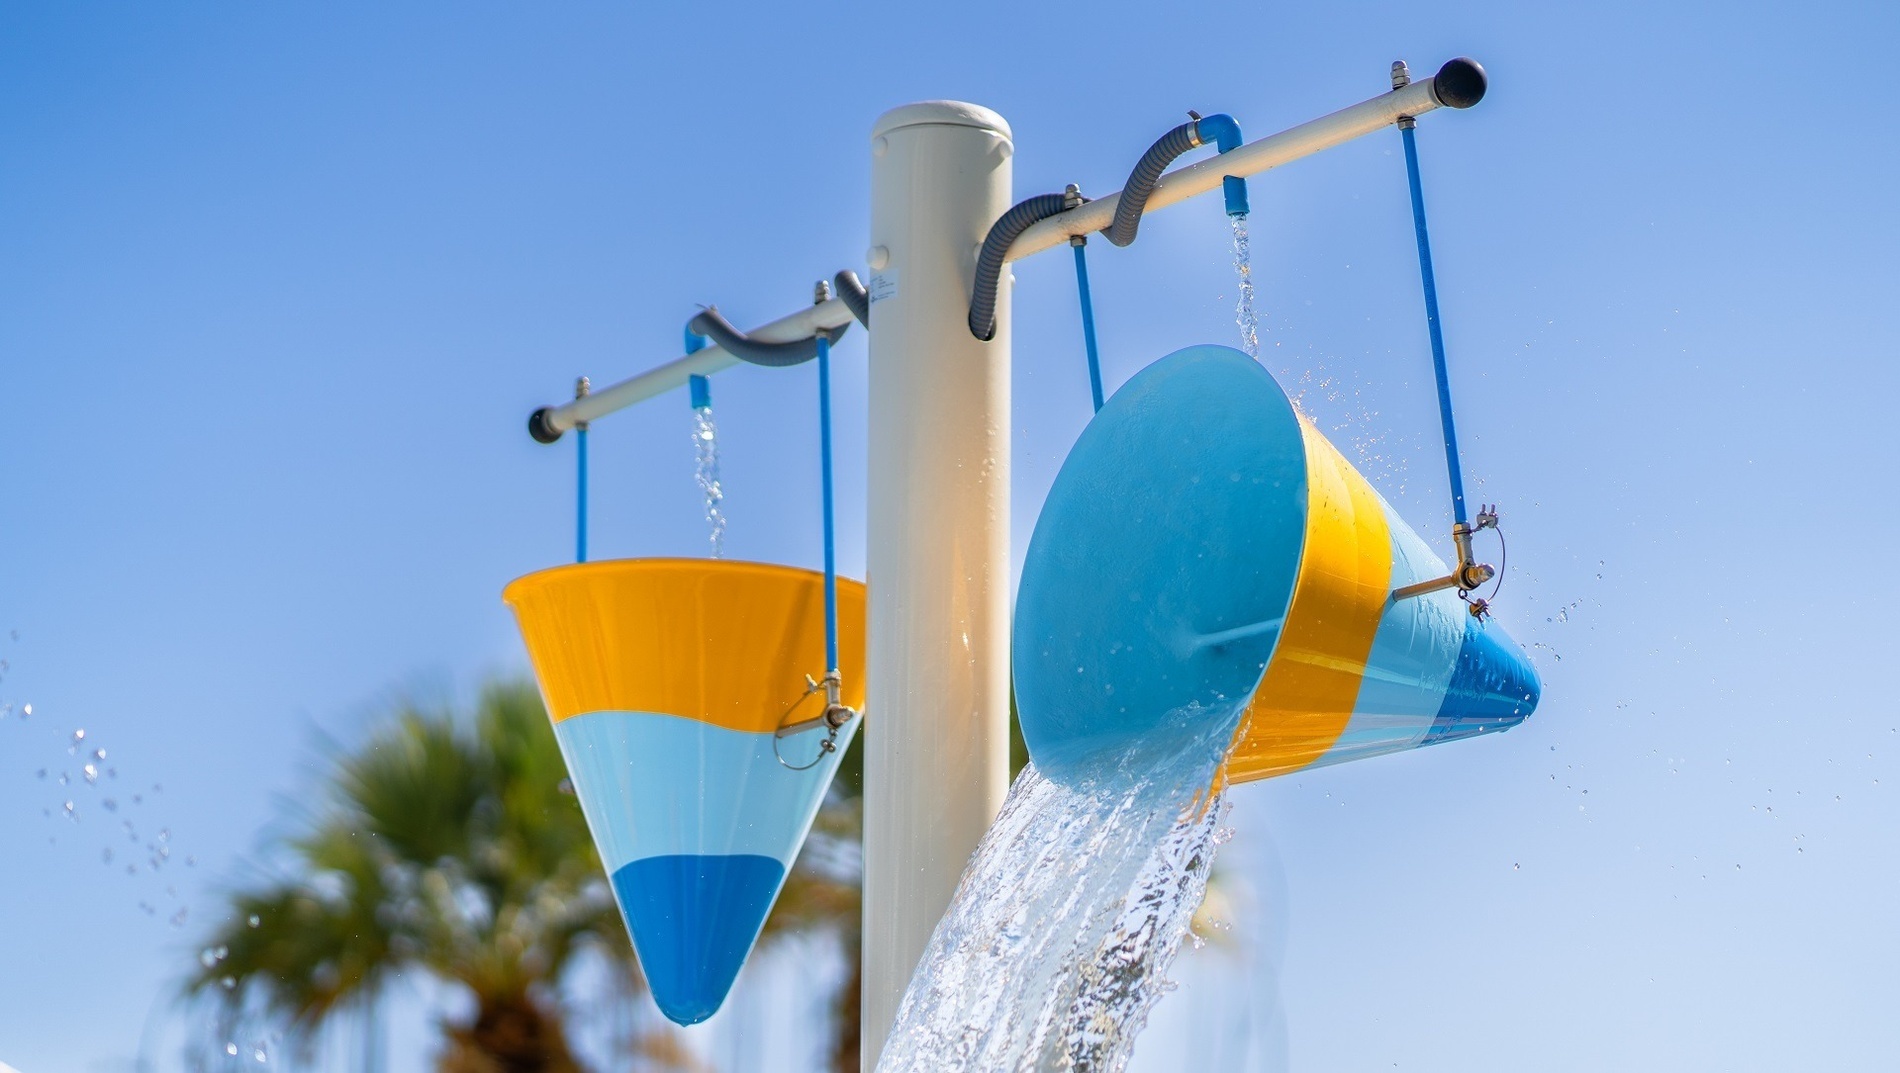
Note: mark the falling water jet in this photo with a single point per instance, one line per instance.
(706, 474)
(1057, 942)
(1244, 314)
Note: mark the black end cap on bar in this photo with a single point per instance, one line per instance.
(541, 428)
(1460, 83)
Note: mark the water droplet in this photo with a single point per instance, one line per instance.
(255, 920)
(91, 773)
(258, 1054)
(69, 808)
(230, 1048)
(26, 711)
(229, 983)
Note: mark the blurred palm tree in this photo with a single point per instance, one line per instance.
(456, 849)
(447, 849)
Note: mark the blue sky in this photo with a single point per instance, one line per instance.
(279, 284)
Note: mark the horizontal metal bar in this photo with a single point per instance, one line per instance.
(831, 313)
(1176, 186)
(1250, 159)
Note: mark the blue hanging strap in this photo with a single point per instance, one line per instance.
(581, 389)
(1468, 573)
(1432, 323)
(1072, 198)
(580, 498)
(1080, 244)
(824, 462)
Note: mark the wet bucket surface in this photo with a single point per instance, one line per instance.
(1204, 542)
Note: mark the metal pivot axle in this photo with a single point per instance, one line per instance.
(1469, 573)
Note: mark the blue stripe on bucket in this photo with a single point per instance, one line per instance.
(1493, 687)
(694, 920)
(661, 785)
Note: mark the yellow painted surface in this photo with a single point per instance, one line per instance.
(1313, 679)
(726, 642)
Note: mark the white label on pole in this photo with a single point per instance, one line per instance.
(883, 285)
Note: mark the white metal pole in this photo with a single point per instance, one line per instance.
(937, 732)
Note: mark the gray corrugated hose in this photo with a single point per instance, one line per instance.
(1141, 181)
(854, 296)
(712, 325)
(989, 263)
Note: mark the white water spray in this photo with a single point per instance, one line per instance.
(1055, 946)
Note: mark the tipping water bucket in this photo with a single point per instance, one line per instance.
(1204, 543)
(666, 680)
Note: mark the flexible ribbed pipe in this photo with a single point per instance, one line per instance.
(711, 324)
(854, 296)
(1141, 182)
(989, 263)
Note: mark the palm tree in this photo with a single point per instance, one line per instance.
(447, 850)
(458, 851)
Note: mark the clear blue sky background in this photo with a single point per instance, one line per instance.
(279, 284)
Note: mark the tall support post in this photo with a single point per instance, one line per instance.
(937, 737)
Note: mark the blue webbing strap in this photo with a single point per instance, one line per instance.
(1088, 323)
(824, 457)
(1432, 323)
(580, 498)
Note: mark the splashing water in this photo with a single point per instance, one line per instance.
(706, 475)
(1244, 314)
(1054, 948)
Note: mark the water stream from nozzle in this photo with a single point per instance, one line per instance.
(1244, 315)
(706, 475)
